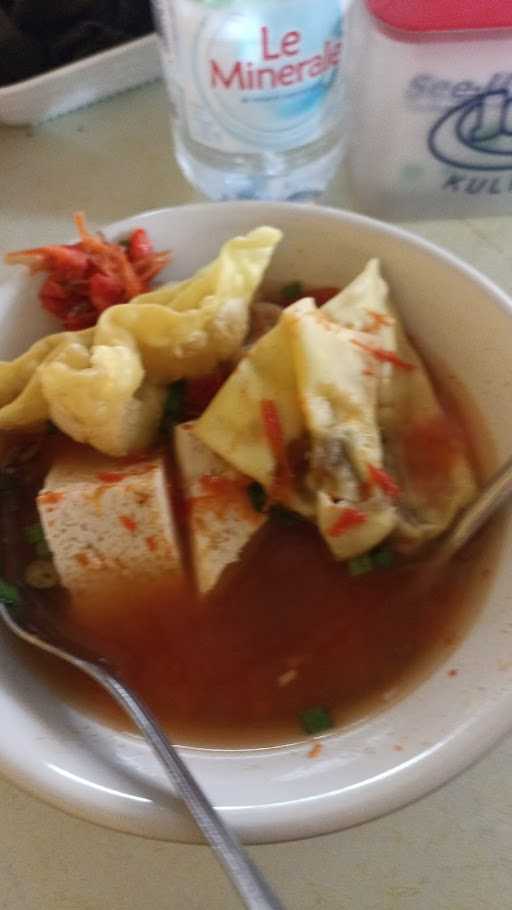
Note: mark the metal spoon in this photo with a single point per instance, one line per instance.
(31, 620)
(491, 497)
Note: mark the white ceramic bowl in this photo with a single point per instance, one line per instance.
(442, 725)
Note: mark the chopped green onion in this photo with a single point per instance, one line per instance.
(316, 720)
(34, 533)
(8, 593)
(360, 565)
(43, 550)
(383, 558)
(257, 496)
(175, 402)
(291, 292)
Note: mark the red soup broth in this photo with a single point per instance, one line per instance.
(287, 629)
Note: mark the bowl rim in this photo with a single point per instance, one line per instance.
(327, 812)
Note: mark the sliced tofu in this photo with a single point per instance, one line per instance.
(109, 523)
(221, 519)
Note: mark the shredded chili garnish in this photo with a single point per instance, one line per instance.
(382, 479)
(274, 433)
(377, 321)
(50, 497)
(87, 277)
(384, 356)
(347, 519)
(110, 476)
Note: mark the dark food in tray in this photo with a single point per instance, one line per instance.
(40, 35)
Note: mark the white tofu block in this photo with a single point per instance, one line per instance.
(109, 522)
(221, 519)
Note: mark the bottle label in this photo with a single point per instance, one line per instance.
(258, 75)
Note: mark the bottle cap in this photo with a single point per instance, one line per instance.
(442, 15)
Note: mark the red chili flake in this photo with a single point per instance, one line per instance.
(398, 748)
(132, 470)
(377, 321)
(152, 543)
(274, 433)
(384, 356)
(82, 559)
(347, 519)
(50, 498)
(315, 750)
(110, 477)
(453, 673)
(128, 523)
(382, 479)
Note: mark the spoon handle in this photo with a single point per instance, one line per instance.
(494, 494)
(245, 876)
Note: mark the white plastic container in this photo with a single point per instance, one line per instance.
(79, 84)
(430, 88)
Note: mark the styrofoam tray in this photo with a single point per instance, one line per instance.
(76, 85)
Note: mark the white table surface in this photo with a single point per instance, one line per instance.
(450, 851)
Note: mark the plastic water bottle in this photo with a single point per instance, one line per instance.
(256, 91)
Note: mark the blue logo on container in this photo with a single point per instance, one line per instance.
(477, 134)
